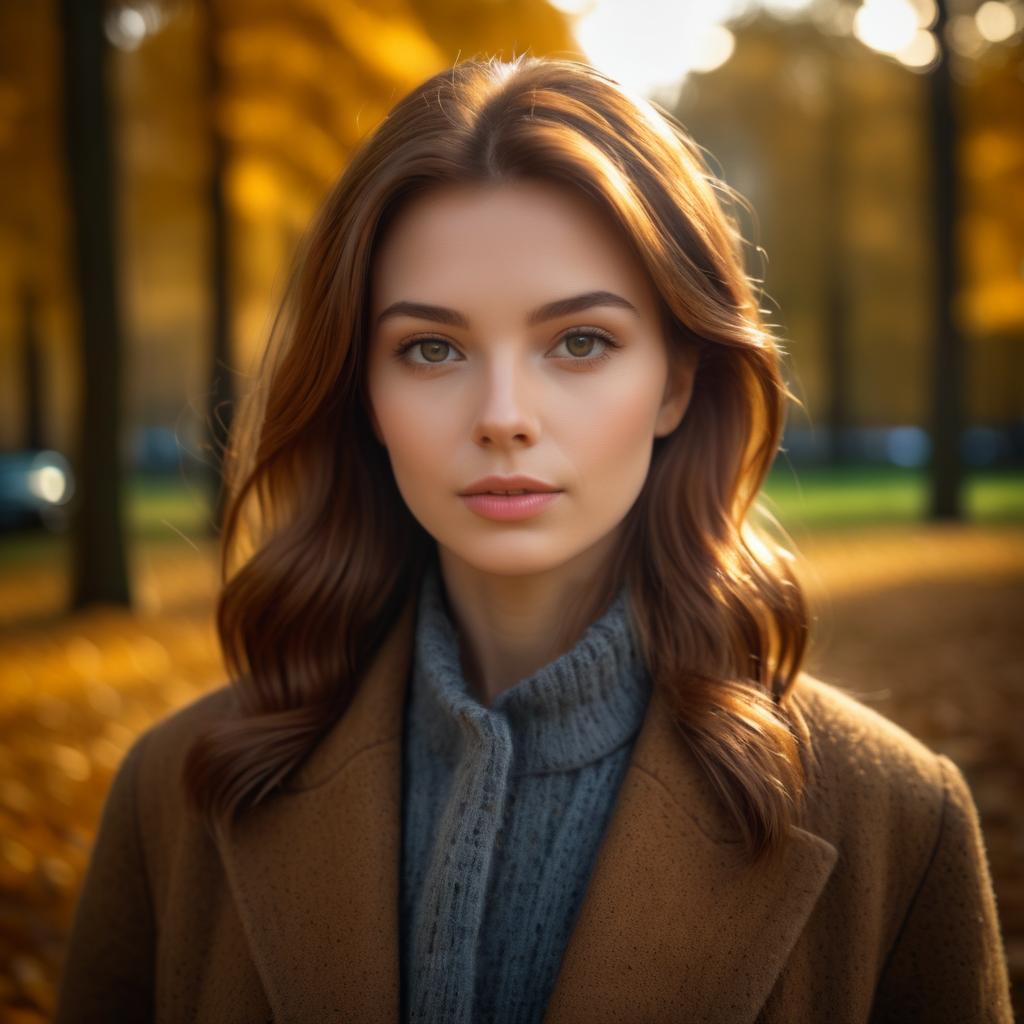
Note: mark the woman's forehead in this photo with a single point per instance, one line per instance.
(536, 240)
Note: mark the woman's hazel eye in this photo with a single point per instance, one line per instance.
(572, 343)
(432, 348)
(579, 344)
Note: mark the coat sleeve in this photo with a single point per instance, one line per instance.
(108, 963)
(948, 962)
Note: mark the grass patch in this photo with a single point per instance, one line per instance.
(820, 498)
(164, 508)
(805, 500)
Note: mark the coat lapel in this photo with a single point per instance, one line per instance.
(672, 926)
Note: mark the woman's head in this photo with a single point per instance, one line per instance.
(542, 353)
(493, 190)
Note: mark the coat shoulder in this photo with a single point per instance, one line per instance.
(168, 739)
(866, 769)
(907, 830)
(159, 754)
(848, 733)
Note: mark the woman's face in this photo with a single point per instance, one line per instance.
(479, 378)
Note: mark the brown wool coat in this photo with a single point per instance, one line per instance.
(881, 910)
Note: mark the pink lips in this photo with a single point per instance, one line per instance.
(510, 506)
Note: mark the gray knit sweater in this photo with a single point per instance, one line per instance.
(504, 810)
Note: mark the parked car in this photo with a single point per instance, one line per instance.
(35, 488)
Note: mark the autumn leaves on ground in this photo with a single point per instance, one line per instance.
(924, 622)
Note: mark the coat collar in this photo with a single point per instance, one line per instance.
(672, 927)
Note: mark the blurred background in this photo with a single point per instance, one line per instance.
(159, 160)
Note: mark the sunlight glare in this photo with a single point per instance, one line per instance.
(573, 8)
(886, 25)
(719, 44)
(927, 12)
(922, 51)
(785, 8)
(964, 36)
(49, 484)
(996, 21)
(678, 38)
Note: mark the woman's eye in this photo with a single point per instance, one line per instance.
(433, 350)
(579, 346)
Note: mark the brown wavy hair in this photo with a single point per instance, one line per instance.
(319, 552)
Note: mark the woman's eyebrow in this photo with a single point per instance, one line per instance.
(549, 311)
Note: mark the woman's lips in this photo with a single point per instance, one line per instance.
(510, 506)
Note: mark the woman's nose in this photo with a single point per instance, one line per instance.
(505, 404)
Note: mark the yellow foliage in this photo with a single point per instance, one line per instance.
(392, 44)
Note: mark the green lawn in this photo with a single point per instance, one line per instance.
(821, 498)
(815, 499)
(157, 510)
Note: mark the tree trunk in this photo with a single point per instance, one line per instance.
(221, 405)
(99, 568)
(948, 352)
(836, 287)
(32, 368)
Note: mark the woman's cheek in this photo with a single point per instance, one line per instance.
(617, 443)
(411, 423)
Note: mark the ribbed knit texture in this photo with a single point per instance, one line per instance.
(504, 810)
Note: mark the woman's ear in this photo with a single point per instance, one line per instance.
(683, 360)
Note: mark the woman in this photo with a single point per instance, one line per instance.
(517, 728)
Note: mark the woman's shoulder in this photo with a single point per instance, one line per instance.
(908, 835)
(156, 757)
(852, 734)
(872, 777)
(172, 735)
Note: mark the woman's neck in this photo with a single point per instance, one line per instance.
(510, 626)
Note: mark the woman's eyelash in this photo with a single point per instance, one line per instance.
(608, 341)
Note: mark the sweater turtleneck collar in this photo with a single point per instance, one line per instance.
(574, 710)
